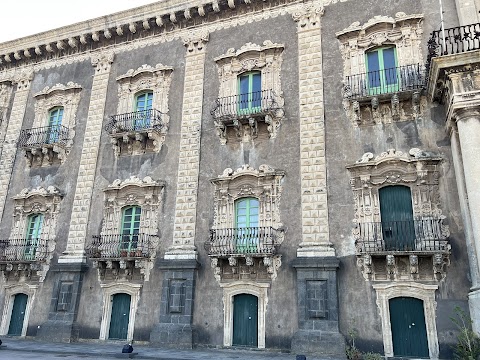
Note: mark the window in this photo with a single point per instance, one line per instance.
(54, 124)
(34, 231)
(143, 107)
(382, 70)
(246, 224)
(130, 227)
(250, 93)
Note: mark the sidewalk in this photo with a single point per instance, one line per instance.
(108, 350)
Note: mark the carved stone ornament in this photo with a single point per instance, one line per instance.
(101, 61)
(308, 15)
(195, 40)
(265, 58)
(147, 194)
(419, 171)
(156, 79)
(45, 201)
(404, 32)
(6, 88)
(44, 153)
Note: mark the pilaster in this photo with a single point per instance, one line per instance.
(22, 81)
(88, 162)
(315, 232)
(183, 246)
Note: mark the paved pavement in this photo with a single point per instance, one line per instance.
(19, 349)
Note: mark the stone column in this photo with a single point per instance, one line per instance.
(77, 234)
(9, 151)
(316, 265)
(183, 246)
(315, 234)
(468, 125)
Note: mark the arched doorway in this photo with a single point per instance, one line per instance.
(245, 320)
(409, 333)
(18, 314)
(120, 316)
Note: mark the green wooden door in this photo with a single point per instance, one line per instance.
(32, 238)
(54, 125)
(409, 333)
(250, 93)
(246, 223)
(130, 228)
(120, 316)
(245, 320)
(398, 228)
(143, 107)
(18, 315)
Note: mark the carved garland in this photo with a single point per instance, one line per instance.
(252, 57)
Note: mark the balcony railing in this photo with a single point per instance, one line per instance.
(23, 250)
(136, 121)
(424, 235)
(36, 137)
(243, 241)
(386, 81)
(118, 246)
(253, 104)
(457, 40)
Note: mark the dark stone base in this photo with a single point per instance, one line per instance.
(174, 336)
(126, 355)
(318, 342)
(58, 331)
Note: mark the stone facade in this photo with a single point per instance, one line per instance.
(256, 183)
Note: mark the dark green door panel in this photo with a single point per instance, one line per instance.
(18, 315)
(409, 333)
(398, 228)
(120, 316)
(245, 320)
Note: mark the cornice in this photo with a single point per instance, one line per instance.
(158, 19)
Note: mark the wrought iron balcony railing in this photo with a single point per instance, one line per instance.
(118, 246)
(457, 40)
(255, 104)
(423, 235)
(23, 250)
(243, 241)
(46, 135)
(136, 121)
(386, 81)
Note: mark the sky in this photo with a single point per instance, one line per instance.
(19, 18)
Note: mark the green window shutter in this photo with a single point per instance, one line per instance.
(246, 224)
(130, 227)
(382, 71)
(143, 107)
(250, 93)
(54, 125)
(32, 237)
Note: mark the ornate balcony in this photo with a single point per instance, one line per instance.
(23, 257)
(120, 255)
(137, 132)
(44, 145)
(247, 110)
(244, 249)
(403, 250)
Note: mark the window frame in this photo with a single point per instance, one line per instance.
(54, 124)
(384, 87)
(253, 98)
(33, 233)
(129, 236)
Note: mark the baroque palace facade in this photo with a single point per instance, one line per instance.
(268, 174)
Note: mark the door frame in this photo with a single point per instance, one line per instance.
(108, 291)
(10, 292)
(244, 287)
(424, 292)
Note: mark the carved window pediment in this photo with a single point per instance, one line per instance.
(136, 132)
(366, 104)
(399, 249)
(269, 103)
(109, 255)
(30, 258)
(45, 144)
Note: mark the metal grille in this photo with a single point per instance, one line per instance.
(57, 134)
(457, 40)
(135, 121)
(23, 250)
(121, 246)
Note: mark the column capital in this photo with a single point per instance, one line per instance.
(308, 15)
(195, 40)
(466, 113)
(23, 79)
(101, 61)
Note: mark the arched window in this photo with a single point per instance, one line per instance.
(382, 70)
(55, 117)
(130, 227)
(143, 107)
(32, 237)
(249, 93)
